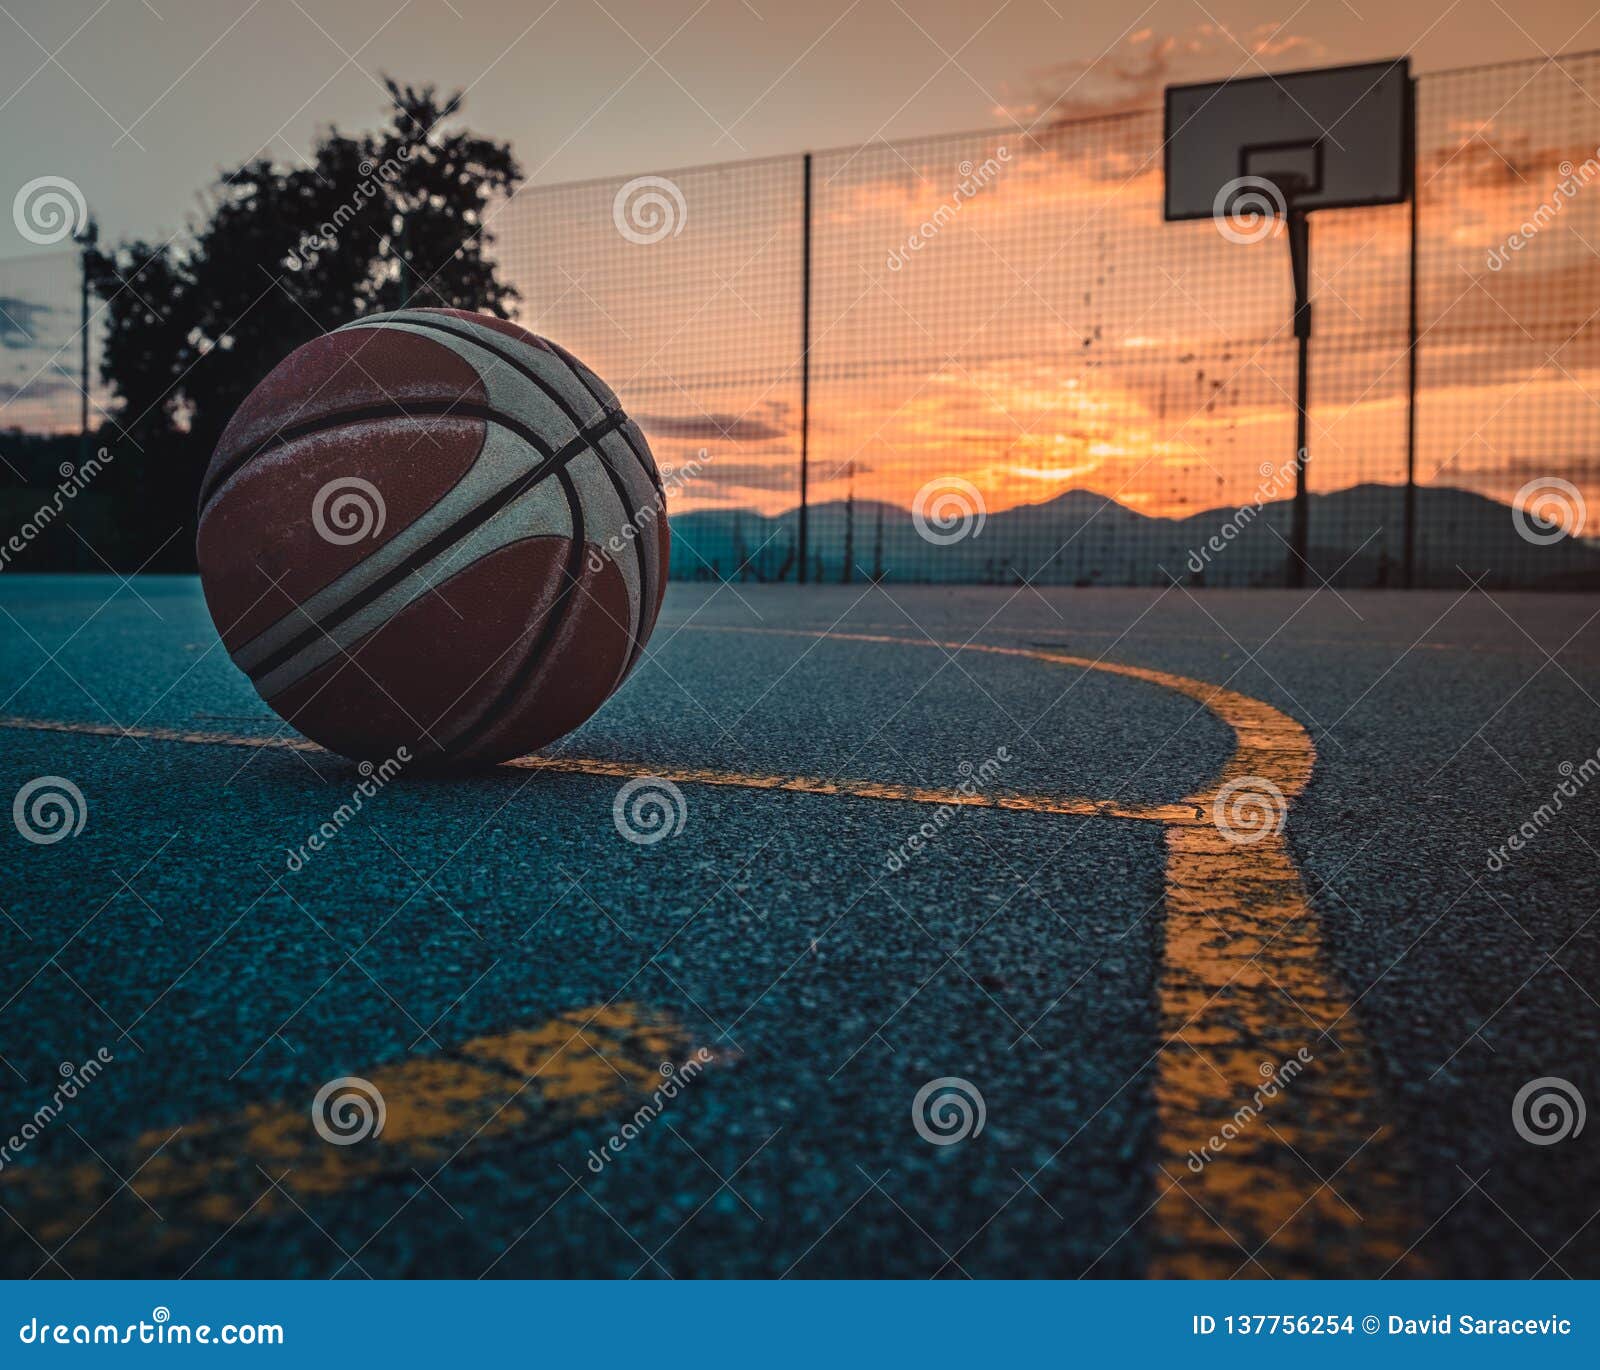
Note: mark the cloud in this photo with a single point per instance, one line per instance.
(781, 474)
(39, 388)
(1133, 74)
(16, 321)
(712, 427)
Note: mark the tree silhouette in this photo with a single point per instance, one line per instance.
(284, 255)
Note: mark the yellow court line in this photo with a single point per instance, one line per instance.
(409, 1118)
(624, 770)
(1257, 1152)
(1266, 1162)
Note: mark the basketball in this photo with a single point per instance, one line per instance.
(434, 530)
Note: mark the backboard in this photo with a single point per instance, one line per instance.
(1333, 138)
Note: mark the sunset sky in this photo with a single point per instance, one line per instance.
(1054, 335)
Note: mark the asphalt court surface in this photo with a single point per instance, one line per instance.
(512, 972)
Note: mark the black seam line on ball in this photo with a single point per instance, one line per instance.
(588, 380)
(350, 418)
(635, 634)
(467, 523)
(509, 698)
(639, 541)
(571, 364)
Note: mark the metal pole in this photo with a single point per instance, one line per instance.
(805, 369)
(83, 356)
(1409, 549)
(1299, 529)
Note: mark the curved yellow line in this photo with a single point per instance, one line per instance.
(1267, 1164)
(1261, 1153)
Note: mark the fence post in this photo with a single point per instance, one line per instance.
(805, 367)
(83, 355)
(1409, 534)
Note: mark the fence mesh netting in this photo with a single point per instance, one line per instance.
(1019, 373)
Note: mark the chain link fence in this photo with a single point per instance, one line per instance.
(985, 358)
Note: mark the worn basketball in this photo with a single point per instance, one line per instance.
(433, 530)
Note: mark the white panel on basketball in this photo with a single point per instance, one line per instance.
(542, 511)
(603, 515)
(509, 391)
(505, 457)
(549, 367)
(622, 459)
(634, 440)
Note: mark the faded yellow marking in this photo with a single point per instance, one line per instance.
(1244, 986)
(622, 770)
(521, 1087)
